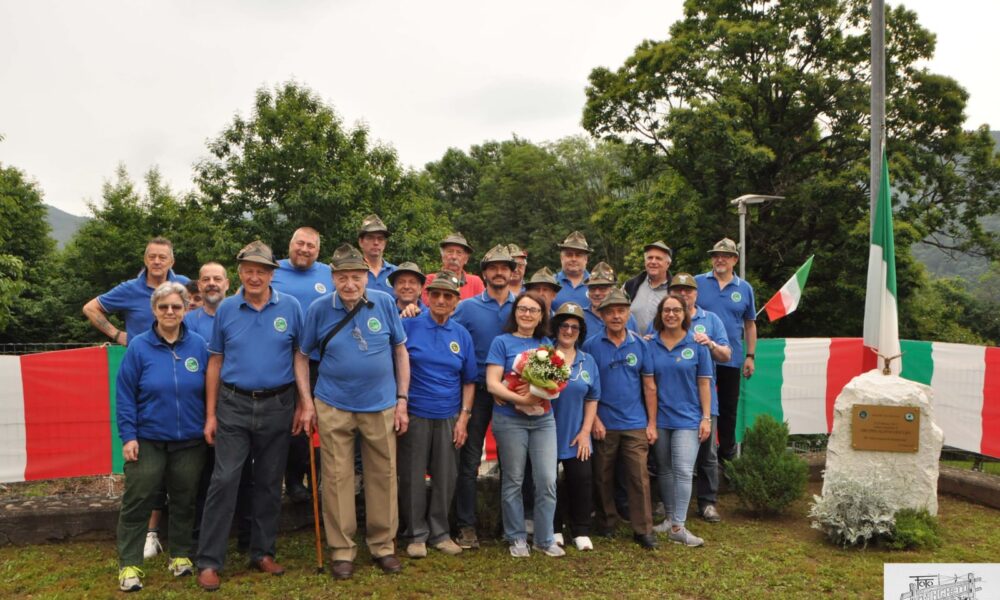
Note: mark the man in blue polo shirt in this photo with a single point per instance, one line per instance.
(626, 419)
(708, 331)
(363, 387)
(407, 282)
(131, 298)
(253, 373)
(483, 316)
(722, 292)
(373, 237)
(573, 255)
(213, 283)
(602, 279)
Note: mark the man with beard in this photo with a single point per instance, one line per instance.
(373, 237)
(455, 253)
(484, 316)
(212, 286)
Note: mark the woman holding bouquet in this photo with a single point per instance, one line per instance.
(523, 427)
(683, 371)
(574, 411)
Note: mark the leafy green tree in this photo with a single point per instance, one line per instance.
(772, 97)
(294, 163)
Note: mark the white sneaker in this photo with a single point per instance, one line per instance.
(416, 550)
(663, 527)
(683, 536)
(583, 543)
(553, 551)
(558, 537)
(130, 579)
(519, 549)
(181, 566)
(152, 547)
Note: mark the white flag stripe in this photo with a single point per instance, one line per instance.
(790, 295)
(888, 337)
(958, 378)
(13, 452)
(803, 389)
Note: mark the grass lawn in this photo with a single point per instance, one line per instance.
(743, 558)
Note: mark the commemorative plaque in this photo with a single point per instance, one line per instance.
(885, 428)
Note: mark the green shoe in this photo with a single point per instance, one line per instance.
(130, 579)
(181, 566)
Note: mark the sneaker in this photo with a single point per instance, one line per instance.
(583, 543)
(683, 536)
(448, 546)
(467, 538)
(554, 551)
(663, 527)
(130, 579)
(152, 547)
(558, 537)
(181, 567)
(519, 549)
(659, 511)
(416, 550)
(710, 514)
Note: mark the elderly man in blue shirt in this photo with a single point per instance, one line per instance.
(362, 390)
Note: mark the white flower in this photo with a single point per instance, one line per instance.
(560, 354)
(542, 354)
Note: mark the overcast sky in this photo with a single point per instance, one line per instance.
(89, 85)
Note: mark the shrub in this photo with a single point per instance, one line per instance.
(851, 512)
(914, 530)
(767, 477)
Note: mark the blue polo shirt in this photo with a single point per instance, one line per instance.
(503, 351)
(442, 359)
(677, 373)
(484, 317)
(200, 322)
(571, 293)
(131, 299)
(257, 345)
(160, 391)
(357, 371)
(584, 385)
(733, 304)
(621, 369)
(595, 324)
(381, 283)
(305, 284)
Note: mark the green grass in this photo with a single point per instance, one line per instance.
(991, 467)
(744, 558)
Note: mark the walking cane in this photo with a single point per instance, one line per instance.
(312, 481)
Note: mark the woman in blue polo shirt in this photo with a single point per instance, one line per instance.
(160, 403)
(574, 410)
(683, 371)
(519, 435)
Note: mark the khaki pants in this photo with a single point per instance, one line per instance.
(337, 429)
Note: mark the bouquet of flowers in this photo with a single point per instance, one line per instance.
(545, 370)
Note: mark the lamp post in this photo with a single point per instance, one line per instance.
(741, 205)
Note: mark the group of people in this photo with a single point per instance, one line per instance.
(401, 373)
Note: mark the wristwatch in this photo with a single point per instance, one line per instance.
(751, 355)
(402, 397)
(467, 411)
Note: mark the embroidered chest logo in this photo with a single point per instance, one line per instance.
(687, 353)
(374, 325)
(191, 364)
(280, 324)
(736, 296)
(699, 328)
(632, 360)
(585, 376)
(320, 288)
(454, 347)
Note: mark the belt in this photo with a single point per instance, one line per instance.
(258, 393)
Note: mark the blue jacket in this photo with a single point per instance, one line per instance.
(160, 392)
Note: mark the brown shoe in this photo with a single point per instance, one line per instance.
(267, 565)
(342, 569)
(208, 580)
(389, 564)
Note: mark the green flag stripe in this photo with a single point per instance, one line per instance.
(882, 235)
(918, 361)
(115, 355)
(803, 274)
(761, 394)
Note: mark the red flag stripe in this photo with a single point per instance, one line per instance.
(846, 362)
(991, 404)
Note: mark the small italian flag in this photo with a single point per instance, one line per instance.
(787, 299)
(881, 309)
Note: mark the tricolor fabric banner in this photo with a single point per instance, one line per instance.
(57, 414)
(798, 379)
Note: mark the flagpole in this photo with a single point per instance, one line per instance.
(877, 102)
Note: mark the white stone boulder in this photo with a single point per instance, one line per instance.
(906, 479)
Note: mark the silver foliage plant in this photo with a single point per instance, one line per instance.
(852, 512)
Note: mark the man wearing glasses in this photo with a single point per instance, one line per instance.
(364, 380)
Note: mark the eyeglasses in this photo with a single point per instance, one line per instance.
(569, 326)
(167, 307)
(362, 343)
(528, 310)
(673, 311)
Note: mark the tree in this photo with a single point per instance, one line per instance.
(293, 163)
(772, 97)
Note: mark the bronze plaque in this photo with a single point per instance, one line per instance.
(885, 428)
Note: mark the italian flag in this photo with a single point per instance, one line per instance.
(787, 299)
(798, 379)
(881, 313)
(57, 414)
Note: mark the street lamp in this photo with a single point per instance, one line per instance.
(741, 204)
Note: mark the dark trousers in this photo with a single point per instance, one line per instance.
(470, 457)
(243, 499)
(632, 446)
(574, 504)
(299, 446)
(728, 379)
(158, 464)
(706, 471)
(248, 427)
(426, 447)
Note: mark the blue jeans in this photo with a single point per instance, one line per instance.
(676, 450)
(519, 437)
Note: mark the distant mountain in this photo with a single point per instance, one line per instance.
(63, 224)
